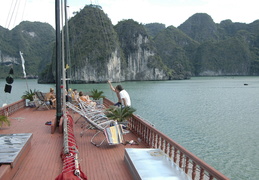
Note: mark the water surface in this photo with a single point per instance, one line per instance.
(215, 118)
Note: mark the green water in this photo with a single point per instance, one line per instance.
(215, 118)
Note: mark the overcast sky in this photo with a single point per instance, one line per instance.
(168, 12)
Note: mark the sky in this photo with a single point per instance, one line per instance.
(168, 12)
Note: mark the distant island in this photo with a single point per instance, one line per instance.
(132, 51)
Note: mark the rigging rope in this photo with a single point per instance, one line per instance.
(105, 29)
(13, 13)
(71, 168)
(69, 155)
(16, 13)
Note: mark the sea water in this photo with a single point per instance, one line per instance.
(216, 118)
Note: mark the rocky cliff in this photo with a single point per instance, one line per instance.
(139, 52)
(34, 39)
(100, 52)
(132, 51)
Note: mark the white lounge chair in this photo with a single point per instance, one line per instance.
(96, 119)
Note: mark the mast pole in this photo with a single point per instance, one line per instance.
(67, 45)
(58, 62)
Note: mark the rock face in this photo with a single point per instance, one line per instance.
(88, 73)
(34, 39)
(135, 68)
(137, 63)
(121, 53)
(114, 68)
(100, 51)
(7, 60)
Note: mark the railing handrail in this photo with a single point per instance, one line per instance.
(12, 108)
(151, 136)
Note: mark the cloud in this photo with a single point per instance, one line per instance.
(176, 12)
(168, 12)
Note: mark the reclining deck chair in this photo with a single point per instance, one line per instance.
(113, 134)
(74, 106)
(41, 100)
(97, 120)
(93, 114)
(92, 111)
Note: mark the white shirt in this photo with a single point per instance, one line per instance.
(125, 95)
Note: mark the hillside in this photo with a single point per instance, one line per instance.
(132, 51)
(100, 51)
(34, 39)
(225, 49)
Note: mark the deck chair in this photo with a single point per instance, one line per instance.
(92, 114)
(41, 100)
(95, 115)
(90, 110)
(88, 114)
(113, 134)
(96, 119)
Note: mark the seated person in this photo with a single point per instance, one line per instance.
(74, 95)
(86, 99)
(51, 98)
(68, 95)
(122, 94)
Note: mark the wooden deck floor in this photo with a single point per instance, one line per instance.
(43, 160)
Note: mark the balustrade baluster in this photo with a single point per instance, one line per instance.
(166, 147)
(170, 150)
(202, 174)
(175, 155)
(181, 160)
(159, 142)
(162, 144)
(139, 129)
(145, 133)
(187, 165)
(130, 123)
(149, 137)
(156, 141)
(211, 177)
(193, 170)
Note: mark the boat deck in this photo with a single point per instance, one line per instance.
(43, 159)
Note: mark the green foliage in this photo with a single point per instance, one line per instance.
(119, 114)
(46, 76)
(154, 28)
(96, 95)
(34, 40)
(231, 55)
(4, 120)
(128, 31)
(29, 94)
(92, 39)
(196, 46)
(175, 49)
(200, 27)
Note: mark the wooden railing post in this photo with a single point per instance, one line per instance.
(193, 170)
(187, 165)
(202, 174)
